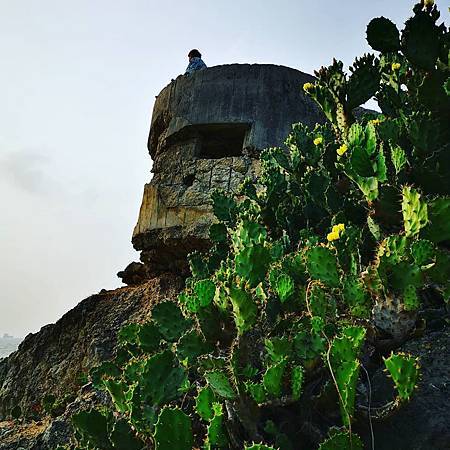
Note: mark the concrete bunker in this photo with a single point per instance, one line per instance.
(205, 133)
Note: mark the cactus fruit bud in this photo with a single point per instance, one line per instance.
(342, 149)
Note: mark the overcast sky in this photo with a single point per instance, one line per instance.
(77, 85)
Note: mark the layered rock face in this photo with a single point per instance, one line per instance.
(206, 131)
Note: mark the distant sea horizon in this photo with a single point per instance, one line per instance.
(8, 344)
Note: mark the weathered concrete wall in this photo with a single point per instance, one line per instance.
(206, 132)
(265, 96)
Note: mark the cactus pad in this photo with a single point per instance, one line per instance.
(216, 437)
(348, 345)
(218, 232)
(123, 437)
(170, 320)
(308, 346)
(404, 370)
(190, 346)
(411, 300)
(224, 206)
(205, 291)
(383, 35)
(322, 265)
(128, 334)
(149, 337)
(92, 428)
(162, 378)
(342, 440)
(319, 303)
(173, 430)
(220, 384)
(389, 315)
(438, 230)
(422, 252)
(346, 375)
(284, 287)
(420, 40)
(256, 391)
(198, 265)
(273, 378)
(252, 263)
(278, 348)
(415, 211)
(361, 163)
(204, 403)
(297, 376)
(356, 297)
(117, 390)
(244, 309)
(364, 80)
(398, 158)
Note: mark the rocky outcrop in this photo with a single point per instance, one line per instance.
(206, 132)
(135, 273)
(53, 360)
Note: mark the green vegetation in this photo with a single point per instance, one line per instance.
(333, 246)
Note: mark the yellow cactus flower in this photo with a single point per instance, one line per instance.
(396, 66)
(428, 2)
(375, 121)
(333, 236)
(342, 149)
(336, 232)
(307, 86)
(339, 227)
(318, 140)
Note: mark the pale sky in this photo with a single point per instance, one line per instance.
(77, 85)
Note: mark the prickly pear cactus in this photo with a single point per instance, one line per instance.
(345, 234)
(322, 265)
(216, 435)
(404, 370)
(173, 430)
(220, 385)
(415, 211)
(204, 403)
(383, 35)
(170, 321)
(122, 436)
